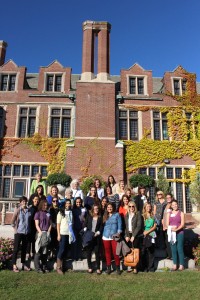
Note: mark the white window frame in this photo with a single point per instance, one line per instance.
(37, 107)
(72, 122)
(161, 126)
(54, 74)
(9, 73)
(180, 79)
(136, 77)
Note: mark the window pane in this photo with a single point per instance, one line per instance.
(22, 127)
(176, 87)
(55, 112)
(143, 171)
(179, 194)
(152, 194)
(133, 114)
(31, 127)
(26, 170)
(66, 112)
(50, 83)
(1, 169)
(32, 111)
(140, 86)
(178, 172)
(66, 127)
(123, 113)
(152, 172)
(7, 170)
(156, 115)
(58, 81)
(184, 82)
(156, 127)
(4, 80)
(55, 126)
(123, 129)
(165, 130)
(23, 111)
(35, 170)
(16, 170)
(44, 171)
(19, 189)
(188, 202)
(6, 188)
(12, 82)
(133, 129)
(132, 85)
(170, 173)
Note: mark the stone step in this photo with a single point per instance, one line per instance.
(69, 264)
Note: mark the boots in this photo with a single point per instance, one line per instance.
(108, 271)
(59, 267)
(118, 271)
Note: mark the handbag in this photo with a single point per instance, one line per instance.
(132, 259)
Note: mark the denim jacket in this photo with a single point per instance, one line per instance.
(112, 226)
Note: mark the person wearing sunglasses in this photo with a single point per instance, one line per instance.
(53, 247)
(158, 209)
(133, 228)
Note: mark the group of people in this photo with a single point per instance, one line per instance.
(48, 226)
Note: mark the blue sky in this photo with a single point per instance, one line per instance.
(157, 34)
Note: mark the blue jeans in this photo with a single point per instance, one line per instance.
(177, 250)
(63, 246)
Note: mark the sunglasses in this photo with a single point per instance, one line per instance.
(131, 206)
(55, 201)
(159, 194)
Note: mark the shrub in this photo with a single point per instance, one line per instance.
(88, 182)
(59, 178)
(141, 180)
(196, 254)
(6, 251)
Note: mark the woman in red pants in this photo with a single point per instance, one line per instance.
(112, 226)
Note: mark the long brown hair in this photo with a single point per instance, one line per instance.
(92, 210)
(106, 216)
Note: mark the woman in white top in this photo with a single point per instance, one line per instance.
(76, 191)
(65, 233)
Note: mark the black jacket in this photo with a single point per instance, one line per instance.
(99, 225)
(139, 203)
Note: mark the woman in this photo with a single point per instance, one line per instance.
(159, 207)
(167, 210)
(43, 226)
(54, 209)
(100, 190)
(79, 215)
(121, 189)
(112, 183)
(123, 209)
(104, 203)
(175, 223)
(112, 198)
(65, 233)
(112, 226)
(38, 181)
(149, 238)
(133, 227)
(39, 192)
(20, 222)
(92, 198)
(31, 236)
(141, 199)
(53, 193)
(76, 191)
(94, 223)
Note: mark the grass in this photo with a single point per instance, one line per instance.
(80, 285)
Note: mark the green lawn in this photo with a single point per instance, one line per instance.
(80, 285)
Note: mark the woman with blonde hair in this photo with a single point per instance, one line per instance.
(149, 238)
(76, 191)
(121, 189)
(133, 227)
(158, 209)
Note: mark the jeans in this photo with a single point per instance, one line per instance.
(18, 239)
(63, 246)
(177, 250)
(110, 249)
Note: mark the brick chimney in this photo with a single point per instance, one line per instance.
(101, 31)
(3, 46)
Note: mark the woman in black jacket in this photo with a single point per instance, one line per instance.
(94, 223)
(133, 227)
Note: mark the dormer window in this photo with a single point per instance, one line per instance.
(136, 85)
(7, 82)
(179, 86)
(54, 83)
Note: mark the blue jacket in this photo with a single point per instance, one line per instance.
(112, 226)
